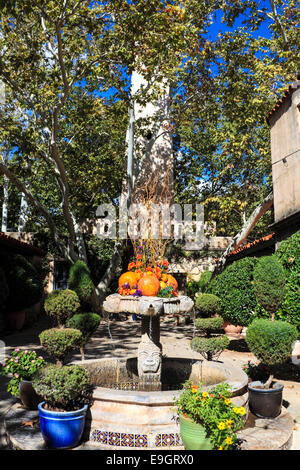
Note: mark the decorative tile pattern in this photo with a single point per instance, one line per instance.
(114, 439)
(135, 440)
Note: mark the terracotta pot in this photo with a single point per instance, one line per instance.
(16, 319)
(232, 329)
(29, 398)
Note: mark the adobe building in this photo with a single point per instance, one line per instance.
(284, 121)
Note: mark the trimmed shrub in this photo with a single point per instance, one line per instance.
(204, 280)
(87, 323)
(269, 283)
(209, 325)
(210, 348)
(24, 283)
(62, 305)
(58, 342)
(288, 255)
(208, 305)
(62, 387)
(234, 288)
(80, 281)
(271, 341)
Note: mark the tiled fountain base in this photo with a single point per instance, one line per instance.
(137, 441)
(259, 434)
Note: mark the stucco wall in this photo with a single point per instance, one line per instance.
(285, 143)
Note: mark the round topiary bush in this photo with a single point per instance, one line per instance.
(62, 305)
(235, 290)
(208, 325)
(271, 341)
(58, 342)
(269, 283)
(24, 283)
(62, 388)
(208, 305)
(210, 348)
(80, 281)
(87, 323)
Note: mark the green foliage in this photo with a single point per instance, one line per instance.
(62, 305)
(194, 287)
(214, 410)
(208, 305)
(209, 325)
(87, 323)
(62, 387)
(269, 283)
(204, 280)
(23, 280)
(80, 281)
(235, 290)
(58, 342)
(22, 365)
(289, 256)
(271, 341)
(210, 348)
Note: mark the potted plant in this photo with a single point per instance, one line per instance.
(272, 343)
(208, 419)
(21, 367)
(65, 402)
(209, 345)
(86, 323)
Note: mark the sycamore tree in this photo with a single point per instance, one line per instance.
(66, 66)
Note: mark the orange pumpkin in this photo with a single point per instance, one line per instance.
(149, 285)
(129, 277)
(171, 281)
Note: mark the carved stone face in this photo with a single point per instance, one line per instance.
(149, 359)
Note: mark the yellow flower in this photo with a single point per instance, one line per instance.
(221, 448)
(221, 425)
(229, 422)
(229, 440)
(242, 411)
(227, 401)
(205, 394)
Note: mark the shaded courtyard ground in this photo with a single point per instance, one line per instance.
(120, 338)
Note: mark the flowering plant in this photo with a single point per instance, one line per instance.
(22, 365)
(214, 410)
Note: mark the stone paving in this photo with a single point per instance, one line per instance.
(120, 339)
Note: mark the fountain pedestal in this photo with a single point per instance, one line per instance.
(149, 350)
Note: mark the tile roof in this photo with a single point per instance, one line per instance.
(260, 241)
(288, 93)
(13, 242)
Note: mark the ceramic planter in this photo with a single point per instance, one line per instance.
(193, 435)
(265, 402)
(62, 429)
(16, 319)
(229, 328)
(28, 395)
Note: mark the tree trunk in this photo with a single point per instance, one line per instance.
(241, 236)
(110, 272)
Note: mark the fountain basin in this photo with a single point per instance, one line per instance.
(122, 416)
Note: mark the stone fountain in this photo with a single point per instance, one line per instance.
(149, 360)
(133, 399)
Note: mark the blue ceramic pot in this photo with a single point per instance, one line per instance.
(62, 429)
